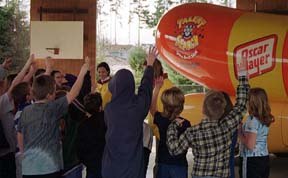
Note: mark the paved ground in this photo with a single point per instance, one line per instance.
(279, 165)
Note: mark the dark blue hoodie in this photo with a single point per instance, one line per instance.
(124, 115)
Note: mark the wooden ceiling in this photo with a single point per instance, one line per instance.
(269, 6)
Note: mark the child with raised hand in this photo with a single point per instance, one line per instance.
(211, 139)
(7, 155)
(38, 126)
(91, 136)
(159, 72)
(124, 116)
(22, 98)
(173, 104)
(254, 155)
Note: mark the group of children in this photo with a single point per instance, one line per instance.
(106, 127)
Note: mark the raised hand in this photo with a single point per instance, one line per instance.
(79, 81)
(7, 63)
(31, 72)
(86, 65)
(242, 68)
(158, 82)
(152, 55)
(49, 63)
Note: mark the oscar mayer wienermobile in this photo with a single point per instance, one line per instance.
(205, 43)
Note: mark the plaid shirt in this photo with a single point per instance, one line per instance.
(210, 140)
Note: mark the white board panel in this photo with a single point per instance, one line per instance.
(48, 36)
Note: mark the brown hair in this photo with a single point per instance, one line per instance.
(229, 105)
(106, 66)
(42, 86)
(214, 105)
(158, 69)
(157, 66)
(173, 102)
(20, 92)
(93, 102)
(259, 107)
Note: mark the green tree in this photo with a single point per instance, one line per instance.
(151, 18)
(14, 34)
(136, 59)
(182, 82)
(138, 7)
(6, 32)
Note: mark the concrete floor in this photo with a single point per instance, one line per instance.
(278, 166)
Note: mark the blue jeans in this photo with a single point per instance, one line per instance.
(171, 171)
(232, 155)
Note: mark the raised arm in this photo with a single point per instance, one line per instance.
(49, 62)
(4, 67)
(158, 82)
(79, 82)
(146, 86)
(232, 120)
(31, 72)
(86, 87)
(20, 76)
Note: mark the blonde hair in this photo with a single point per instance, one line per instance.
(173, 102)
(214, 105)
(259, 107)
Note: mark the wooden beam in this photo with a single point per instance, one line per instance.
(279, 12)
(62, 10)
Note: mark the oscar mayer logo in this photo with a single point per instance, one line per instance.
(259, 54)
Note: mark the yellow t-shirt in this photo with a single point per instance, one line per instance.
(105, 93)
(166, 85)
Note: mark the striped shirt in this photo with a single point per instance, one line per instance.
(211, 139)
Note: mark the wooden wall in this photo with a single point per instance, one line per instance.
(70, 10)
(277, 6)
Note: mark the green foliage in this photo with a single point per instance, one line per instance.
(6, 26)
(186, 85)
(136, 58)
(14, 34)
(151, 18)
